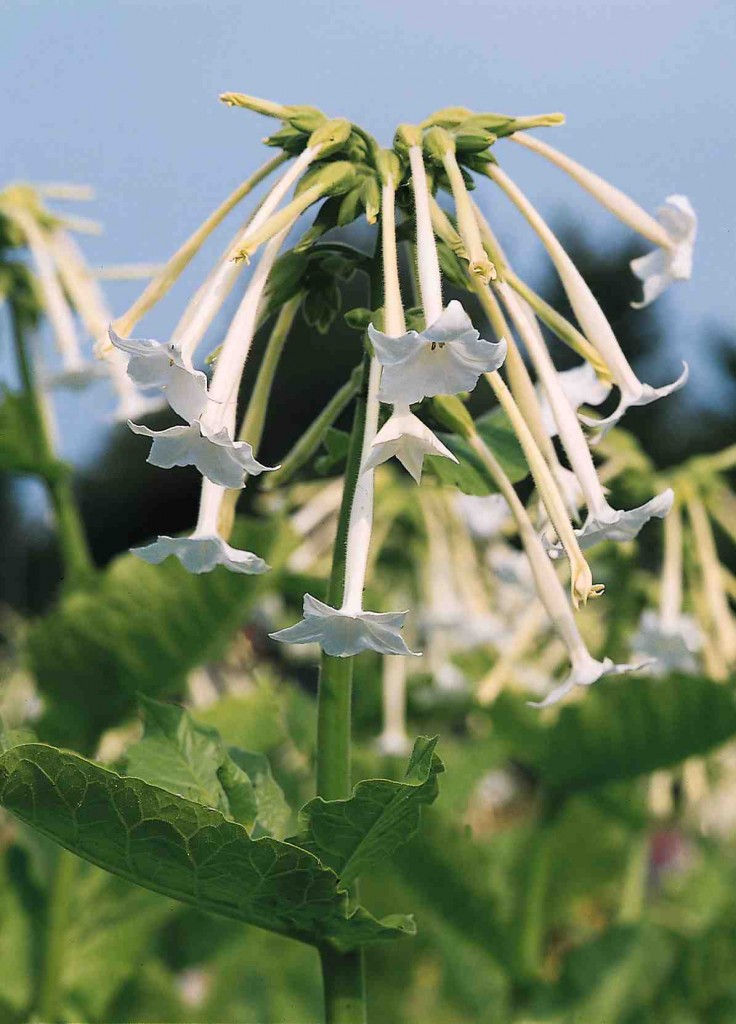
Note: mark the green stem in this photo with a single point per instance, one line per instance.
(70, 530)
(344, 986)
(311, 439)
(52, 971)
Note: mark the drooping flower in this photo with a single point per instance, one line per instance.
(208, 442)
(670, 263)
(348, 630)
(342, 634)
(673, 229)
(205, 548)
(447, 358)
(633, 392)
(672, 648)
(216, 456)
(152, 364)
(602, 522)
(584, 668)
(403, 435)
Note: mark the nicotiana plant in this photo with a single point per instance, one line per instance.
(185, 815)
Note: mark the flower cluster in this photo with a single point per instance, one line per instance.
(421, 362)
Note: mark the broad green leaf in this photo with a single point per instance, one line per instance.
(138, 628)
(353, 835)
(272, 813)
(20, 451)
(239, 794)
(469, 474)
(182, 849)
(632, 726)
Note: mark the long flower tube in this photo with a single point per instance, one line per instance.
(582, 586)
(176, 264)
(673, 231)
(153, 364)
(448, 356)
(602, 522)
(589, 314)
(585, 669)
(403, 435)
(345, 631)
(208, 442)
(393, 740)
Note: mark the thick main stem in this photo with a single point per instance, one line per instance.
(70, 530)
(344, 988)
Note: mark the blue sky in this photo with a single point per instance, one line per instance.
(123, 95)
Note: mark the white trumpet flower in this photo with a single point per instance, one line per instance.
(447, 358)
(204, 549)
(673, 229)
(404, 436)
(589, 314)
(584, 668)
(602, 522)
(153, 364)
(208, 442)
(223, 461)
(348, 630)
(673, 262)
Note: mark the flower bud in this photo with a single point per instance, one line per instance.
(330, 136)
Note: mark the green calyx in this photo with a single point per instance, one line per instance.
(330, 137)
(389, 167)
(437, 143)
(407, 135)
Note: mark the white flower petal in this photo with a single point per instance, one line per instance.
(445, 359)
(586, 672)
(618, 525)
(645, 395)
(660, 268)
(225, 462)
(202, 554)
(342, 635)
(581, 386)
(404, 436)
(152, 364)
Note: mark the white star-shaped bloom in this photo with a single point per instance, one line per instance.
(201, 553)
(405, 436)
(674, 649)
(216, 456)
(342, 634)
(446, 358)
(153, 364)
(660, 268)
(585, 671)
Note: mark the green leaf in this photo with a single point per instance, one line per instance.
(336, 443)
(179, 756)
(137, 628)
(240, 794)
(628, 727)
(272, 813)
(353, 835)
(183, 850)
(469, 474)
(20, 451)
